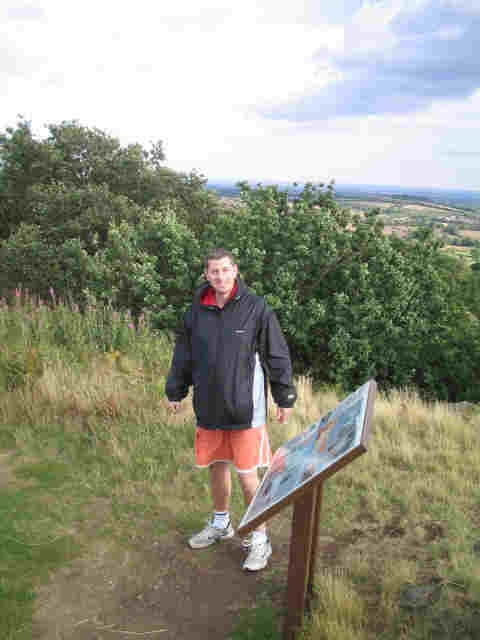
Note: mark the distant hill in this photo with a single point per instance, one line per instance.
(462, 198)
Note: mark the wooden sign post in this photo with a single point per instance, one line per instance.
(301, 565)
(296, 474)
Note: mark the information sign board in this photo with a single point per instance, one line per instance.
(313, 455)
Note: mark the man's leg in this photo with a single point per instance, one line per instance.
(249, 483)
(221, 485)
(258, 544)
(219, 528)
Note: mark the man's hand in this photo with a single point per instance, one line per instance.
(173, 406)
(283, 414)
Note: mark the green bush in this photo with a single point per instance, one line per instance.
(31, 263)
(353, 302)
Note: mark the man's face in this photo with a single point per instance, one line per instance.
(221, 275)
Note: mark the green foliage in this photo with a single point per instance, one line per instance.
(450, 349)
(78, 179)
(38, 266)
(353, 302)
(80, 212)
(153, 265)
(64, 213)
(74, 156)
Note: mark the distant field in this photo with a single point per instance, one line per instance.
(470, 233)
(384, 203)
(369, 204)
(465, 253)
(400, 230)
(421, 208)
(459, 249)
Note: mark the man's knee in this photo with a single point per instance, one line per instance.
(220, 469)
(249, 480)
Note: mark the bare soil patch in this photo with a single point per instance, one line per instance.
(160, 588)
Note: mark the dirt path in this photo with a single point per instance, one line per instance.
(157, 587)
(163, 590)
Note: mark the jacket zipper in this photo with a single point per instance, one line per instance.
(219, 343)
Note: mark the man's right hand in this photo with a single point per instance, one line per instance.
(173, 406)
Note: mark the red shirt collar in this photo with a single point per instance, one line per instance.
(209, 297)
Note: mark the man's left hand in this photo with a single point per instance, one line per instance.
(283, 414)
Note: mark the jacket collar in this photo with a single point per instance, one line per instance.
(202, 290)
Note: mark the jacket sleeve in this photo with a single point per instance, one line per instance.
(180, 375)
(276, 360)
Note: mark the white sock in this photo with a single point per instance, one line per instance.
(259, 537)
(221, 519)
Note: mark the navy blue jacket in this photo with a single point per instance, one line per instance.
(215, 352)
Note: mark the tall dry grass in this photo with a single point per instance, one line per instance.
(404, 515)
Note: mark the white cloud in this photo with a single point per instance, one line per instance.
(25, 12)
(195, 74)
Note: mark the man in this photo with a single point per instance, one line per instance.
(230, 338)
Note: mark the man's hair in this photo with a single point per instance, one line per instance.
(218, 254)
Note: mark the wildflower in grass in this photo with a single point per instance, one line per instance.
(141, 321)
(52, 293)
(131, 325)
(17, 293)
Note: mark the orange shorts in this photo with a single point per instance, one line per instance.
(246, 449)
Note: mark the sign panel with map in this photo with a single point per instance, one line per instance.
(313, 455)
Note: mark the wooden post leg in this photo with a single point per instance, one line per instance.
(313, 551)
(304, 511)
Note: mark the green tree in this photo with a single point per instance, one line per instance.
(32, 264)
(353, 302)
(65, 212)
(73, 162)
(153, 264)
(73, 189)
(475, 254)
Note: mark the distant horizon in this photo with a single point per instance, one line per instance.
(376, 187)
(440, 194)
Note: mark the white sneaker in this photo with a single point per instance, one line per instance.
(209, 535)
(258, 556)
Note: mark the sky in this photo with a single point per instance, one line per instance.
(383, 92)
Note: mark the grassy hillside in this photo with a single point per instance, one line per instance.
(89, 456)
